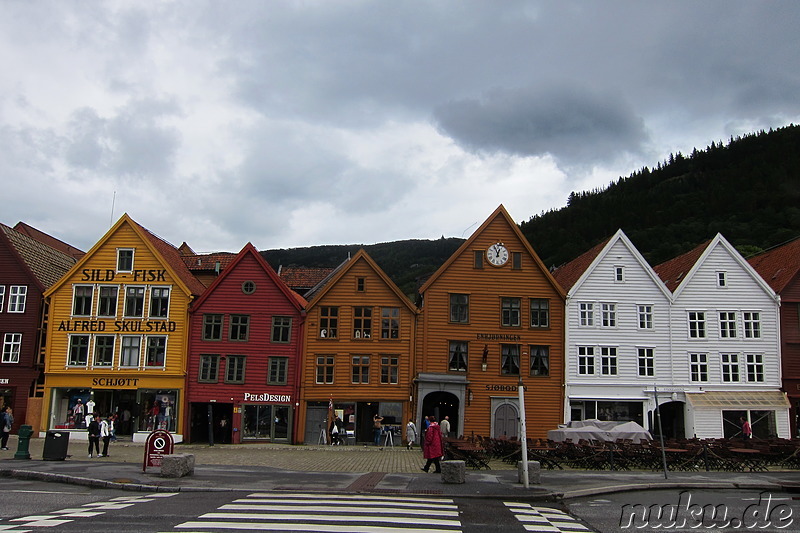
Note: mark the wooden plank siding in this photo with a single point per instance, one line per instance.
(342, 291)
(271, 298)
(98, 268)
(486, 287)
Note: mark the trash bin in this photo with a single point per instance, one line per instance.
(55, 445)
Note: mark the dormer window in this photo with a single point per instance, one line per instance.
(124, 259)
(722, 279)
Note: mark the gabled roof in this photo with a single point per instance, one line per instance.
(45, 263)
(679, 271)
(500, 212)
(167, 252)
(674, 271)
(315, 294)
(779, 265)
(567, 275)
(303, 277)
(49, 240)
(577, 270)
(217, 261)
(249, 250)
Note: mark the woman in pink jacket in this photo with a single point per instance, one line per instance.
(433, 449)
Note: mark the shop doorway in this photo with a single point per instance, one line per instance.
(211, 423)
(672, 420)
(505, 424)
(443, 404)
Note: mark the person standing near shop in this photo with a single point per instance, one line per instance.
(377, 428)
(747, 431)
(433, 449)
(445, 427)
(411, 434)
(6, 421)
(105, 434)
(94, 436)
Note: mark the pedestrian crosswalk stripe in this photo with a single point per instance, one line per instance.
(545, 519)
(330, 518)
(350, 508)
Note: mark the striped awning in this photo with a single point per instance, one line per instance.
(738, 400)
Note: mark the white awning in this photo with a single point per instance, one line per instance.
(756, 400)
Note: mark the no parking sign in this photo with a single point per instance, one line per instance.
(158, 444)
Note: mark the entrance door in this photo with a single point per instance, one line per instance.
(506, 421)
(315, 424)
(441, 404)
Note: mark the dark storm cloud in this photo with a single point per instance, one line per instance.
(574, 126)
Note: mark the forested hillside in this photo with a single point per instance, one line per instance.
(748, 190)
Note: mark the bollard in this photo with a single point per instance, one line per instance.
(24, 440)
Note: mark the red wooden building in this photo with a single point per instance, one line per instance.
(245, 345)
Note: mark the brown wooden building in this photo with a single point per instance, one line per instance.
(491, 316)
(359, 353)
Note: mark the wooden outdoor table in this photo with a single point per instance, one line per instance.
(752, 459)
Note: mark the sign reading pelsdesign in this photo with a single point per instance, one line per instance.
(265, 397)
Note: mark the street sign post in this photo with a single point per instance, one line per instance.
(158, 444)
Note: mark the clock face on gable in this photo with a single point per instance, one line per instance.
(497, 254)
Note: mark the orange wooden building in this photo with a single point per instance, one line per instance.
(358, 358)
(492, 315)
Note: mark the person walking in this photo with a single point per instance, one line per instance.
(411, 434)
(6, 421)
(337, 431)
(377, 428)
(94, 436)
(747, 430)
(445, 425)
(433, 449)
(105, 435)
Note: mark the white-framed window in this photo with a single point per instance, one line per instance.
(752, 324)
(698, 367)
(17, 296)
(159, 302)
(12, 343)
(727, 324)
(730, 367)
(103, 350)
(586, 360)
(619, 274)
(82, 296)
(125, 259)
(697, 324)
(107, 300)
(155, 351)
(78, 350)
(609, 315)
(586, 313)
(722, 279)
(645, 312)
(2, 297)
(608, 360)
(755, 367)
(646, 362)
(134, 301)
(131, 351)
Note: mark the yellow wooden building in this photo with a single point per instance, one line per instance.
(492, 315)
(117, 336)
(358, 357)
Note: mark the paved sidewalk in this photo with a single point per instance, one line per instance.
(270, 467)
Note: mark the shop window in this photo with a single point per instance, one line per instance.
(240, 327)
(11, 347)
(103, 350)
(390, 322)
(159, 410)
(209, 368)
(234, 369)
(763, 423)
(281, 329)
(82, 300)
(134, 302)
(212, 327)
(107, 305)
(78, 350)
(328, 322)
(458, 356)
(278, 371)
(156, 351)
(159, 302)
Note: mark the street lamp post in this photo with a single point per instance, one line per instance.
(523, 432)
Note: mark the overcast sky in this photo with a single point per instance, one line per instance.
(305, 123)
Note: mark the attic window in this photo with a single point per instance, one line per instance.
(249, 287)
(722, 279)
(619, 274)
(124, 259)
(360, 284)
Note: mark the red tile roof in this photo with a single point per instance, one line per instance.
(673, 271)
(207, 262)
(567, 275)
(48, 264)
(303, 277)
(173, 257)
(49, 240)
(778, 266)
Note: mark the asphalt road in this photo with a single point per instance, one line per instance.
(43, 507)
